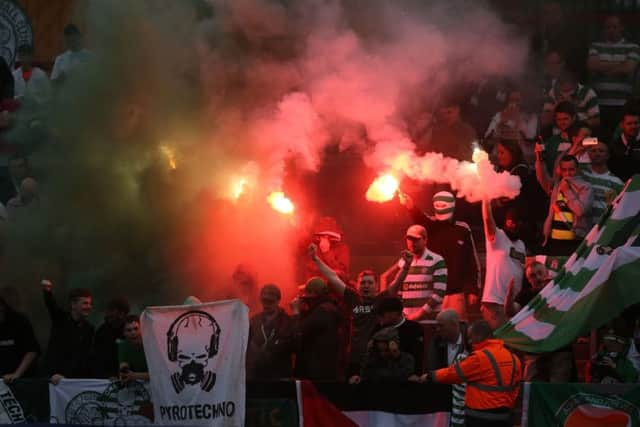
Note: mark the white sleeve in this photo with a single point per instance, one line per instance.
(493, 126)
(57, 68)
(530, 127)
(634, 356)
(43, 91)
(499, 241)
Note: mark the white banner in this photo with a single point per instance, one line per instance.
(10, 410)
(100, 402)
(196, 359)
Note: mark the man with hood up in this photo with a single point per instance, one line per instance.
(319, 322)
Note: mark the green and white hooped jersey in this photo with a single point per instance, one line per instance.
(425, 284)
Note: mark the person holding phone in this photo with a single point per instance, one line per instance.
(569, 216)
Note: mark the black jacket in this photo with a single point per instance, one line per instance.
(377, 369)
(411, 336)
(318, 332)
(454, 242)
(437, 355)
(624, 160)
(270, 347)
(105, 359)
(70, 343)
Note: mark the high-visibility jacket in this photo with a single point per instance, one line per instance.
(492, 374)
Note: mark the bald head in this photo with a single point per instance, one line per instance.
(28, 190)
(448, 325)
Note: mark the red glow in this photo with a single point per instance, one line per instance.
(280, 202)
(383, 189)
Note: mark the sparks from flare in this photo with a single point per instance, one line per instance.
(383, 188)
(170, 154)
(280, 202)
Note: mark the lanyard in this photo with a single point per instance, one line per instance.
(267, 338)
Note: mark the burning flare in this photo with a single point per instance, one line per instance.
(383, 189)
(170, 154)
(238, 187)
(479, 155)
(280, 202)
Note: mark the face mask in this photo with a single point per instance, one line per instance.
(444, 204)
(512, 235)
(324, 245)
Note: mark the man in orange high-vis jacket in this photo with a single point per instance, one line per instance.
(492, 374)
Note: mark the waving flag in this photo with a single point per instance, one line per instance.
(595, 285)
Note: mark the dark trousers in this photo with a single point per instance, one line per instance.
(499, 417)
(477, 422)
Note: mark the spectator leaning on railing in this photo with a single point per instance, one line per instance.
(18, 346)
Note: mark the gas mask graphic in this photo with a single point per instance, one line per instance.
(192, 340)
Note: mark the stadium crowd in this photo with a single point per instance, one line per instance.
(573, 143)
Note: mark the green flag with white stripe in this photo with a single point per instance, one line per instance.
(595, 285)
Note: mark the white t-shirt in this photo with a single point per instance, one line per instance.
(67, 61)
(505, 261)
(37, 88)
(454, 349)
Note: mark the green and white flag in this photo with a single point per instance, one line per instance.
(595, 285)
(580, 405)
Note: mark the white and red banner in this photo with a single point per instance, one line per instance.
(373, 405)
(196, 359)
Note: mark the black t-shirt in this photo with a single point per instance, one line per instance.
(363, 320)
(16, 340)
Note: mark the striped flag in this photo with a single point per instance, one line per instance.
(594, 286)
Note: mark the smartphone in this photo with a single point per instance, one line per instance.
(590, 141)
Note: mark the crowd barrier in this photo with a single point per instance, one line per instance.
(295, 403)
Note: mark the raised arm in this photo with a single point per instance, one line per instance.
(55, 312)
(542, 175)
(401, 274)
(417, 216)
(579, 198)
(489, 222)
(334, 280)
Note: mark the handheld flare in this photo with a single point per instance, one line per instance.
(280, 202)
(383, 188)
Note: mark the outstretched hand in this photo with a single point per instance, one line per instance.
(312, 250)
(407, 257)
(405, 200)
